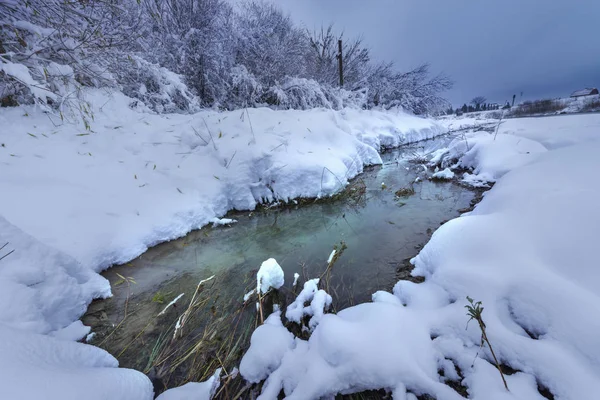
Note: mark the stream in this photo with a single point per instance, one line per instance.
(381, 231)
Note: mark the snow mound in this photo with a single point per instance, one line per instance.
(319, 301)
(268, 344)
(222, 221)
(35, 366)
(270, 275)
(487, 155)
(194, 390)
(445, 174)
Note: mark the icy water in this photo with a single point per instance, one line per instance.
(381, 232)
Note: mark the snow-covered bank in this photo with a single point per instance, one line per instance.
(527, 252)
(137, 179)
(76, 200)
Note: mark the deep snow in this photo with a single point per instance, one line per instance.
(75, 201)
(527, 251)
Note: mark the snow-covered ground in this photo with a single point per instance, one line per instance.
(527, 252)
(75, 200)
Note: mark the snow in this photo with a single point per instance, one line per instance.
(445, 174)
(296, 277)
(269, 275)
(319, 301)
(296, 310)
(75, 201)
(137, 179)
(527, 251)
(21, 74)
(222, 221)
(489, 156)
(171, 303)
(249, 294)
(555, 132)
(268, 344)
(194, 390)
(319, 304)
(28, 26)
(330, 258)
(35, 366)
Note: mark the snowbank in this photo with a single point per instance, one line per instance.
(555, 132)
(490, 156)
(136, 179)
(527, 251)
(77, 199)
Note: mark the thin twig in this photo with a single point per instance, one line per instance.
(230, 160)
(210, 134)
(498, 126)
(251, 129)
(7, 254)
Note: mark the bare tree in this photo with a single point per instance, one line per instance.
(323, 64)
(478, 101)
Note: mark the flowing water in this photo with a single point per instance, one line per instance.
(381, 231)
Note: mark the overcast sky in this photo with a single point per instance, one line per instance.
(543, 48)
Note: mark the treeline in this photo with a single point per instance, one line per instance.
(180, 55)
(478, 103)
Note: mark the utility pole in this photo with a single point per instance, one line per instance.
(340, 63)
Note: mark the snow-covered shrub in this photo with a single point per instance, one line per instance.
(414, 91)
(243, 89)
(301, 93)
(297, 93)
(49, 48)
(270, 45)
(157, 87)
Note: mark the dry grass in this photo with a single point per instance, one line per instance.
(405, 191)
(537, 107)
(591, 105)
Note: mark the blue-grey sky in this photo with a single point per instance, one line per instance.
(543, 48)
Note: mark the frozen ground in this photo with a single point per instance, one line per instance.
(527, 252)
(77, 200)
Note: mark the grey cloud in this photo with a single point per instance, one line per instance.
(544, 48)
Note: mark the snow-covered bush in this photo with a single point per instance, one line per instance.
(414, 90)
(157, 87)
(229, 56)
(297, 93)
(49, 48)
(244, 89)
(301, 93)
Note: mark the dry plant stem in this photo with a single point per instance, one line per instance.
(210, 134)
(7, 254)
(262, 319)
(124, 315)
(498, 126)
(484, 337)
(251, 129)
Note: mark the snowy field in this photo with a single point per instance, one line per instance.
(76, 200)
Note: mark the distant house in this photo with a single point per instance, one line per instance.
(584, 92)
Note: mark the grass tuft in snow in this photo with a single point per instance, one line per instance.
(474, 310)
